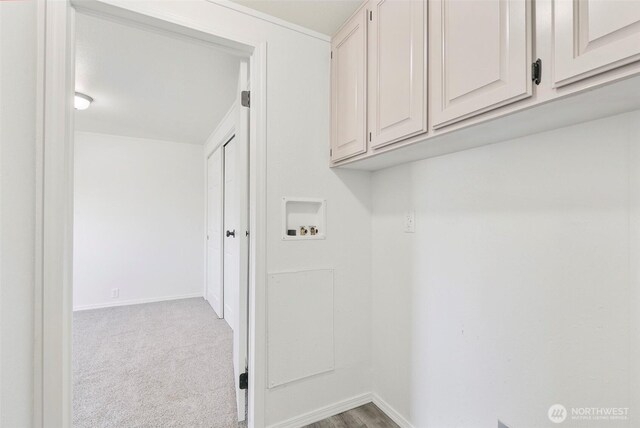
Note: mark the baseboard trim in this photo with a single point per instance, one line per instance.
(390, 411)
(135, 302)
(324, 412)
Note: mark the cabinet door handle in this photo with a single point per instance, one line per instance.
(231, 233)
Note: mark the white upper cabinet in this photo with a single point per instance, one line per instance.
(348, 89)
(481, 56)
(593, 36)
(405, 73)
(397, 70)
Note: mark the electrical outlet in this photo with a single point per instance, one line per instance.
(410, 222)
(115, 293)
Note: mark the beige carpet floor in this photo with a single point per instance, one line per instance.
(165, 364)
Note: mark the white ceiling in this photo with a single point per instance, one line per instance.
(149, 84)
(323, 16)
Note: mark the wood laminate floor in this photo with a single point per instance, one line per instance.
(366, 416)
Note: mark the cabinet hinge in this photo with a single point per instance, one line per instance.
(245, 98)
(369, 136)
(536, 71)
(370, 15)
(330, 152)
(243, 381)
(331, 54)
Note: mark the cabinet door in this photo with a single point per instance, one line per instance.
(481, 55)
(397, 70)
(348, 89)
(593, 36)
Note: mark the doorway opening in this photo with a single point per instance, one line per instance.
(54, 402)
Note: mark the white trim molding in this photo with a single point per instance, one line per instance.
(52, 374)
(257, 350)
(272, 19)
(390, 411)
(324, 412)
(224, 130)
(136, 302)
(343, 406)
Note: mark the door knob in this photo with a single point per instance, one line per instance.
(231, 233)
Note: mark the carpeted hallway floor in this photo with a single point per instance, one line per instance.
(165, 364)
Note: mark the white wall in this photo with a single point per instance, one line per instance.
(519, 288)
(504, 251)
(139, 222)
(297, 145)
(297, 165)
(17, 209)
(298, 159)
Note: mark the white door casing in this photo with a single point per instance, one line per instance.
(215, 290)
(593, 36)
(397, 71)
(236, 240)
(481, 56)
(241, 335)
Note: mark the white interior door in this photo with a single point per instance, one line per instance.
(231, 234)
(215, 290)
(236, 240)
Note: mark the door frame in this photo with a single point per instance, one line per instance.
(52, 405)
(208, 154)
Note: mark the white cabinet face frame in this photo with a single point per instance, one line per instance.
(349, 89)
(594, 36)
(482, 56)
(397, 70)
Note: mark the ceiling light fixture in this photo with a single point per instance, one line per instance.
(82, 101)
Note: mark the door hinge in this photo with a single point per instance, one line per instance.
(369, 136)
(245, 98)
(330, 152)
(370, 15)
(246, 233)
(536, 71)
(243, 382)
(331, 54)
